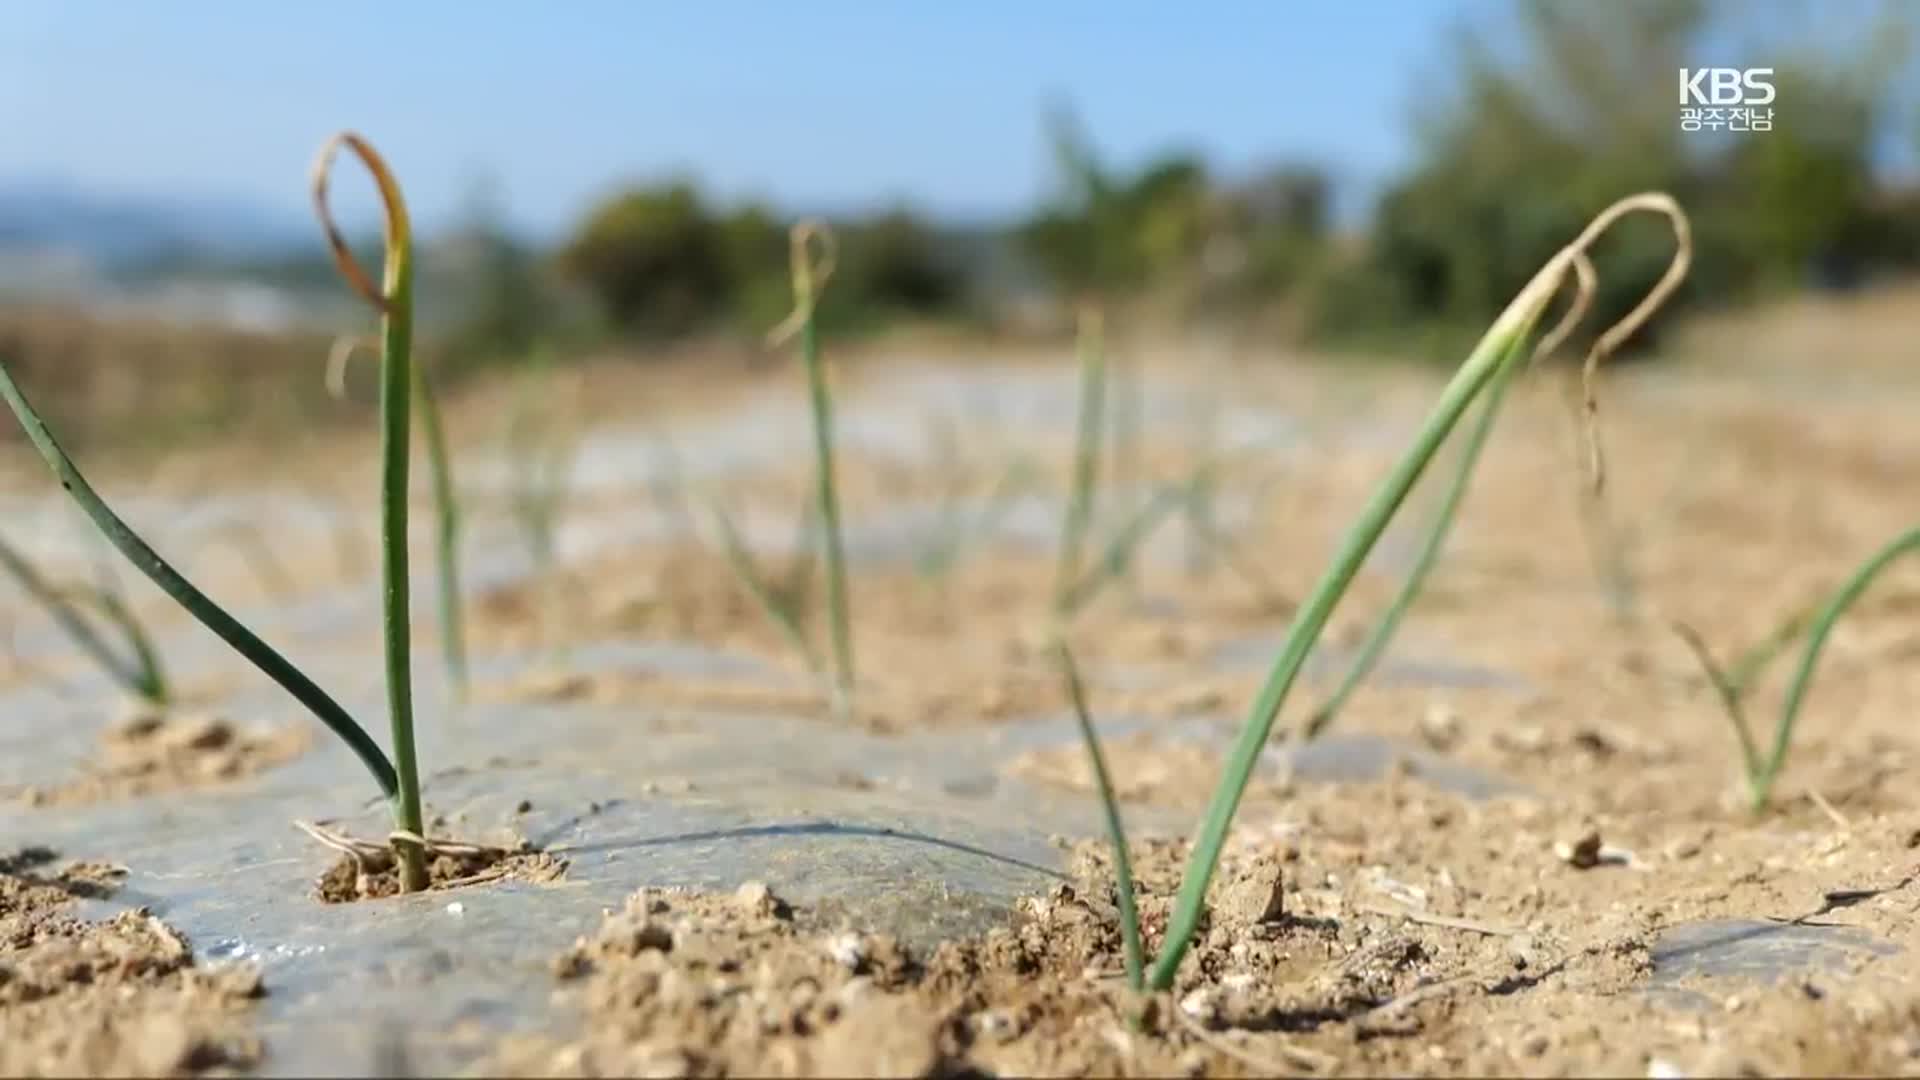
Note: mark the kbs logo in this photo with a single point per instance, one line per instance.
(1730, 96)
(1726, 86)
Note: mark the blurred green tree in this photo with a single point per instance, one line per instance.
(1103, 236)
(655, 259)
(893, 265)
(1530, 143)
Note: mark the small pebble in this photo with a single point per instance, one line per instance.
(1580, 854)
(1200, 1005)
(847, 950)
(456, 908)
(1440, 726)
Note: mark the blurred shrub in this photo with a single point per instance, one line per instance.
(892, 267)
(661, 263)
(654, 258)
(1171, 233)
(1528, 149)
(1107, 235)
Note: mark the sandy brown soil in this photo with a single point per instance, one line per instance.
(150, 752)
(1333, 943)
(120, 997)
(1419, 932)
(1424, 933)
(367, 870)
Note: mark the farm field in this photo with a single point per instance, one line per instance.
(1524, 846)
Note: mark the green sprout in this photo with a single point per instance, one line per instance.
(540, 462)
(809, 277)
(1732, 685)
(398, 779)
(446, 505)
(1436, 538)
(1503, 346)
(783, 599)
(1116, 831)
(1075, 583)
(140, 673)
(1086, 457)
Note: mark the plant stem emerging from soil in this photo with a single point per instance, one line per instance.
(1502, 346)
(446, 502)
(1116, 831)
(394, 301)
(142, 677)
(210, 614)
(1498, 347)
(446, 506)
(1086, 459)
(1436, 540)
(1760, 783)
(808, 279)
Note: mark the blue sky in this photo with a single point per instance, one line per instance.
(822, 105)
(831, 104)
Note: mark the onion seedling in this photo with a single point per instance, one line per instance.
(1074, 583)
(809, 277)
(540, 461)
(397, 779)
(1437, 532)
(1503, 345)
(1086, 457)
(1731, 685)
(446, 505)
(784, 600)
(139, 674)
(1116, 831)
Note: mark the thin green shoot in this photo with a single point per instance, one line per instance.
(146, 658)
(1734, 683)
(1503, 344)
(780, 607)
(1761, 781)
(1129, 423)
(1731, 694)
(394, 301)
(1116, 831)
(446, 505)
(809, 277)
(139, 674)
(446, 502)
(1435, 541)
(1117, 556)
(782, 599)
(1430, 548)
(540, 462)
(1607, 545)
(1085, 482)
(1209, 543)
(1748, 668)
(211, 615)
